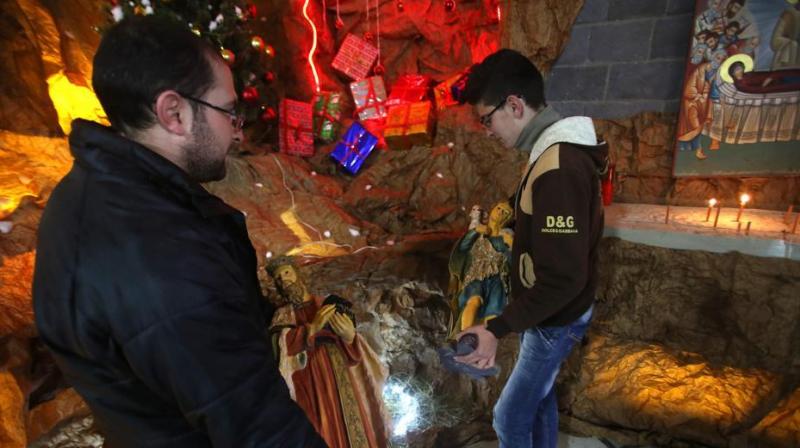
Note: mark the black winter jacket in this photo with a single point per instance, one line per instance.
(145, 290)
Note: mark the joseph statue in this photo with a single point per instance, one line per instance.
(332, 373)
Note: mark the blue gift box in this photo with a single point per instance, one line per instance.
(355, 147)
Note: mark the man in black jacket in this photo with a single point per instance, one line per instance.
(145, 285)
(558, 225)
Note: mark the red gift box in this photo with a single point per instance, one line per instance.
(409, 89)
(376, 127)
(295, 132)
(355, 57)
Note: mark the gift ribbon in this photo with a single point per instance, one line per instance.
(326, 101)
(371, 99)
(295, 130)
(351, 149)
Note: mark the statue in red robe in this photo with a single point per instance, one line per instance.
(331, 371)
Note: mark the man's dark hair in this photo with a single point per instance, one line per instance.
(733, 24)
(503, 73)
(141, 57)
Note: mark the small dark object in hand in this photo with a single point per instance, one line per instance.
(468, 340)
(464, 346)
(342, 305)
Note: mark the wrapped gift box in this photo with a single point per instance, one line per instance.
(295, 134)
(376, 127)
(327, 112)
(443, 93)
(370, 98)
(409, 124)
(458, 86)
(356, 145)
(409, 89)
(355, 57)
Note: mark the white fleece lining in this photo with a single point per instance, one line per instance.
(577, 130)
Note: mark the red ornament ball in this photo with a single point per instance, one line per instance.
(339, 23)
(251, 9)
(369, 37)
(250, 94)
(450, 5)
(379, 69)
(269, 51)
(269, 77)
(257, 43)
(268, 114)
(228, 56)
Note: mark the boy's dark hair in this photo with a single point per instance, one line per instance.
(503, 73)
(140, 57)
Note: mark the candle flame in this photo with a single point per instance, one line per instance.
(712, 202)
(744, 198)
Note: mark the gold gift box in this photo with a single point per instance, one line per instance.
(409, 124)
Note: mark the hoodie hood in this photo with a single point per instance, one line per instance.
(534, 129)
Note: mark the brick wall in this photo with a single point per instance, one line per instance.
(623, 57)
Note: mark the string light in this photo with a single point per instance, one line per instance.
(313, 45)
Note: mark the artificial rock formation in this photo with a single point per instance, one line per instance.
(690, 345)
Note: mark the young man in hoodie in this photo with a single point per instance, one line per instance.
(559, 222)
(145, 286)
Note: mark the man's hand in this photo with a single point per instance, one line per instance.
(322, 317)
(483, 356)
(343, 326)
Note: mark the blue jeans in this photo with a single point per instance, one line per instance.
(526, 415)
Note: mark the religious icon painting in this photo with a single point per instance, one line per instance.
(740, 103)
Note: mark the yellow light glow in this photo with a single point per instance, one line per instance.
(744, 198)
(712, 202)
(307, 246)
(73, 101)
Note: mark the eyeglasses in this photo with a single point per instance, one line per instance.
(486, 120)
(237, 118)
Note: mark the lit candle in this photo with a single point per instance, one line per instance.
(716, 216)
(747, 229)
(711, 203)
(743, 199)
(738, 227)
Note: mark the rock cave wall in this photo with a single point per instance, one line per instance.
(392, 227)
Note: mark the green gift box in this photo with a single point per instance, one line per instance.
(327, 112)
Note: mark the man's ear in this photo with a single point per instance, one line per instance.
(517, 106)
(172, 112)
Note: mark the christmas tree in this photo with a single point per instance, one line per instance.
(227, 25)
